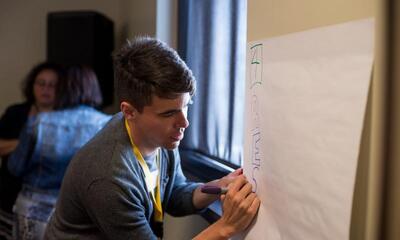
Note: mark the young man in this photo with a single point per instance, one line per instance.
(123, 181)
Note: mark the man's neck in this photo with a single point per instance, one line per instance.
(142, 146)
(147, 152)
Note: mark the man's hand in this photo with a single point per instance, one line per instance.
(228, 179)
(239, 205)
(202, 200)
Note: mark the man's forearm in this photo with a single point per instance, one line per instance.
(216, 231)
(7, 146)
(202, 200)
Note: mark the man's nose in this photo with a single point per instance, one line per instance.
(182, 121)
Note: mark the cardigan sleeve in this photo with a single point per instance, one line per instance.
(180, 199)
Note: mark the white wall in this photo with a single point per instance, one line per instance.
(23, 33)
(167, 22)
(268, 18)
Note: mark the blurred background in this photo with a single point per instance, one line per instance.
(25, 35)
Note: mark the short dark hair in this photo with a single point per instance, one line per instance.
(29, 81)
(145, 67)
(80, 87)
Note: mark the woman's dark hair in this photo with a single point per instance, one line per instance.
(27, 84)
(80, 87)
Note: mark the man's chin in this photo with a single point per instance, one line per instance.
(172, 145)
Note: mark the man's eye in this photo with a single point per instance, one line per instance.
(167, 114)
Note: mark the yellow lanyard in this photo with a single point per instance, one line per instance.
(158, 213)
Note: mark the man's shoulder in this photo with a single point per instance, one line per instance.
(104, 151)
(92, 162)
(101, 165)
(111, 135)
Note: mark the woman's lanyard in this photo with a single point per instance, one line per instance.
(155, 194)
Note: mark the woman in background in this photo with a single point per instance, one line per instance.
(39, 89)
(47, 144)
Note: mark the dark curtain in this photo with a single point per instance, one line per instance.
(212, 41)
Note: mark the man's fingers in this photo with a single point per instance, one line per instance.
(237, 199)
(222, 198)
(237, 184)
(245, 190)
(249, 199)
(245, 204)
(255, 205)
(251, 211)
(237, 172)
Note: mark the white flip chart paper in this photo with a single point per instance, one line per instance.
(306, 97)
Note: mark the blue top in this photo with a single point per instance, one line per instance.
(48, 142)
(104, 195)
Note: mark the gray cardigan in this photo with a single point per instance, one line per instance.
(104, 196)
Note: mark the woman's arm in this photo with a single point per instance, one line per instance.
(7, 146)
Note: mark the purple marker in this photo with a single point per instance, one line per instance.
(214, 189)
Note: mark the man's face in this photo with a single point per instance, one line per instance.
(162, 123)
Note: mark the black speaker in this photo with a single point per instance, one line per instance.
(83, 37)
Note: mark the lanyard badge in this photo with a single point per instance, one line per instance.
(156, 194)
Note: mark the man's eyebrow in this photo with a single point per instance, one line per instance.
(190, 102)
(169, 111)
(175, 110)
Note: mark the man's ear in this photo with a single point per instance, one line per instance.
(128, 110)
